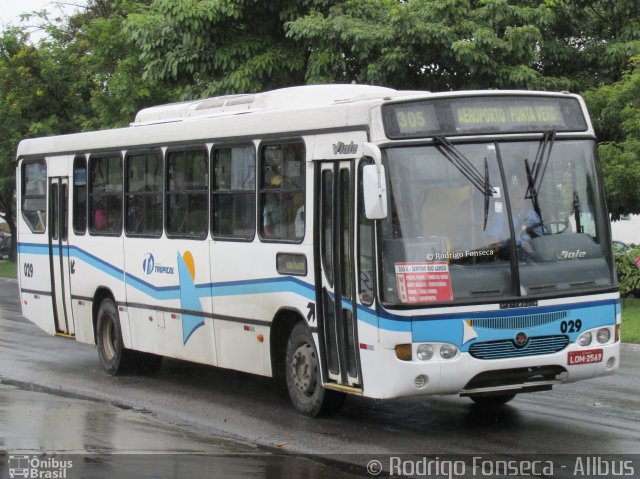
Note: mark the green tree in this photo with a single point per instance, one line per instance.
(452, 44)
(589, 43)
(118, 86)
(615, 110)
(427, 44)
(209, 47)
(44, 92)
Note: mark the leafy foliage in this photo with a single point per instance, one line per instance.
(43, 92)
(208, 47)
(426, 44)
(615, 109)
(628, 268)
(118, 88)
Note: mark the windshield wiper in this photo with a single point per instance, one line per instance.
(535, 172)
(462, 163)
(470, 172)
(488, 191)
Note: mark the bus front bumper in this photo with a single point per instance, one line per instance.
(386, 376)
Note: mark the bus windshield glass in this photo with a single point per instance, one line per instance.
(532, 223)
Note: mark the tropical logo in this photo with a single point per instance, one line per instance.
(148, 263)
(149, 266)
(189, 298)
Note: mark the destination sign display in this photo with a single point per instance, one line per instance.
(482, 115)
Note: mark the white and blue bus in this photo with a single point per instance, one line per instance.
(346, 239)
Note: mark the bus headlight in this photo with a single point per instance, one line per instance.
(603, 335)
(448, 351)
(585, 339)
(424, 352)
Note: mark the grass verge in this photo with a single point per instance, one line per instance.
(7, 269)
(630, 329)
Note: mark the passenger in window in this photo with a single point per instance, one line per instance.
(299, 219)
(114, 214)
(135, 215)
(271, 219)
(100, 217)
(299, 231)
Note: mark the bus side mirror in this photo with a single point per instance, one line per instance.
(374, 188)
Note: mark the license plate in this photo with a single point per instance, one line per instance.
(585, 357)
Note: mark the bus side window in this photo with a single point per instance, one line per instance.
(80, 195)
(233, 193)
(144, 173)
(34, 205)
(186, 194)
(105, 195)
(366, 260)
(282, 186)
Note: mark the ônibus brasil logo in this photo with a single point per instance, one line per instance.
(149, 266)
(38, 467)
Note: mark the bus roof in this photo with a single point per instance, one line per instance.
(308, 96)
(287, 111)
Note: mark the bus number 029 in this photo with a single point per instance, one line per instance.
(28, 270)
(570, 326)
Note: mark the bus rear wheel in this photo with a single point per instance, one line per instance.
(114, 357)
(302, 373)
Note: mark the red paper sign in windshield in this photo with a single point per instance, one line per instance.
(423, 282)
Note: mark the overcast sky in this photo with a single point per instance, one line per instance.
(11, 9)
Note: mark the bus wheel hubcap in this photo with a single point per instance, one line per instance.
(108, 339)
(304, 369)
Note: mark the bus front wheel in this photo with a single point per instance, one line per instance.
(114, 357)
(303, 378)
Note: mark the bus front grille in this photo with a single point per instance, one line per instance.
(506, 348)
(519, 322)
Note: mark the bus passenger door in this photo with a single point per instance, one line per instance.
(59, 254)
(336, 298)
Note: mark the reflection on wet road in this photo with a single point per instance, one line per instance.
(111, 441)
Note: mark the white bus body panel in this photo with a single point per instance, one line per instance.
(160, 291)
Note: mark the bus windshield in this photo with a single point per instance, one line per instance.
(532, 223)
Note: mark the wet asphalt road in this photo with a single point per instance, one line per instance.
(196, 421)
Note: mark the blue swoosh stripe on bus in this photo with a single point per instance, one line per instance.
(382, 319)
(35, 248)
(230, 288)
(499, 313)
(285, 284)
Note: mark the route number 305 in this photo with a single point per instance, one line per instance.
(411, 119)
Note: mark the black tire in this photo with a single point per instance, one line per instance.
(303, 377)
(114, 357)
(490, 402)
